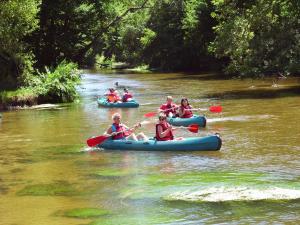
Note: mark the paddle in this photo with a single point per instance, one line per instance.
(192, 128)
(151, 114)
(213, 109)
(93, 141)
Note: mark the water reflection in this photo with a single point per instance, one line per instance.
(47, 147)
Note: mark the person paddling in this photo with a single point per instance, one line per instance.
(185, 109)
(120, 131)
(113, 95)
(169, 108)
(127, 96)
(164, 131)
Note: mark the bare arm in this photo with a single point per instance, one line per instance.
(181, 113)
(108, 131)
(162, 133)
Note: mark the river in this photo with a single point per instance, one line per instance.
(49, 176)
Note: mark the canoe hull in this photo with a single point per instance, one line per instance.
(208, 143)
(131, 104)
(200, 120)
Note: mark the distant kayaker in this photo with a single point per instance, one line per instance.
(121, 131)
(127, 96)
(185, 109)
(169, 108)
(164, 131)
(113, 95)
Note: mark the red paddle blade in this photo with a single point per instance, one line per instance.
(216, 109)
(193, 128)
(150, 114)
(96, 140)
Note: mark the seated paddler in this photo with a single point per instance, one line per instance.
(169, 108)
(120, 131)
(185, 109)
(163, 130)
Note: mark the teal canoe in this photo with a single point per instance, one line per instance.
(208, 143)
(129, 104)
(177, 121)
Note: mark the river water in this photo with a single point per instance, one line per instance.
(49, 176)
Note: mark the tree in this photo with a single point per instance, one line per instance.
(259, 37)
(18, 19)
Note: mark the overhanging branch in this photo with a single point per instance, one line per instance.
(83, 51)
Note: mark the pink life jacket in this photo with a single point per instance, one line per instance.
(164, 126)
(126, 96)
(187, 113)
(117, 128)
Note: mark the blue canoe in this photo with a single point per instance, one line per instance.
(177, 121)
(208, 143)
(129, 104)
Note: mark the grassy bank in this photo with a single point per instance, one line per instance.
(53, 86)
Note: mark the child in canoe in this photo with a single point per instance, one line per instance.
(185, 109)
(120, 131)
(169, 108)
(127, 96)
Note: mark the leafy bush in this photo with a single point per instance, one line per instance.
(59, 85)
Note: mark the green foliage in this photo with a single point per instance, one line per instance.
(57, 85)
(148, 37)
(104, 62)
(65, 28)
(248, 38)
(20, 97)
(18, 19)
(258, 37)
(182, 31)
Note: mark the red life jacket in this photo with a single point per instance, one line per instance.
(187, 113)
(170, 108)
(126, 96)
(117, 128)
(164, 126)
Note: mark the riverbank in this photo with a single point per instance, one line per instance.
(57, 86)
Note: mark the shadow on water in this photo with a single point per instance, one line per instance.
(257, 93)
(197, 76)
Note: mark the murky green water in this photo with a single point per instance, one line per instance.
(48, 176)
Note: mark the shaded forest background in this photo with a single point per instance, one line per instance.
(239, 37)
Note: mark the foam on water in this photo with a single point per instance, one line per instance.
(239, 118)
(222, 194)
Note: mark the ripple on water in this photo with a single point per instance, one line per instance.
(239, 118)
(222, 194)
